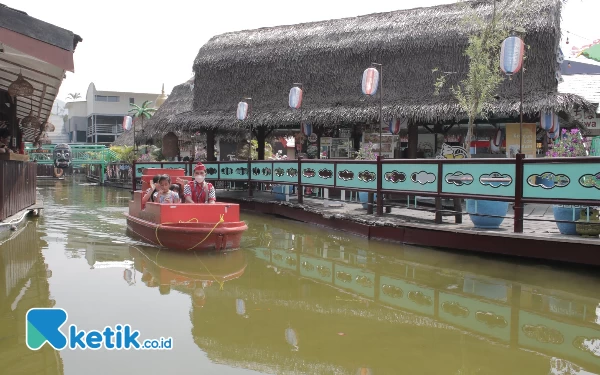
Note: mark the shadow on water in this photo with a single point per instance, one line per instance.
(298, 299)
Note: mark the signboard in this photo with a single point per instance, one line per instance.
(326, 141)
(588, 119)
(513, 136)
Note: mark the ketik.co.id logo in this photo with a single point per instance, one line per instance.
(43, 326)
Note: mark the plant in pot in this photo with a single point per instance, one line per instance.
(279, 190)
(569, 144)
(366, 153)
(477, 91)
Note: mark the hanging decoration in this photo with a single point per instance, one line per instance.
(548, 121)
(511, 55)
(370, 81)
(49, 127)
(242, 111)
(554, 131)
(20, 87)
(295, 97)
(30, 122)
(127, 121)
(307, 129)
(396, 124)
(496, 141)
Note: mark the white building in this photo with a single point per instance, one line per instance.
(99, 118)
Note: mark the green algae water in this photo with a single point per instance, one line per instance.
(296, 299)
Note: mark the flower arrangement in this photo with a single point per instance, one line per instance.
(569, 144)
(366, 152)
(278, 156)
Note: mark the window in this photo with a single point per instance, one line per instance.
(131, 101)
(104, 98)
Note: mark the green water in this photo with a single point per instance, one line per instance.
(295, 300)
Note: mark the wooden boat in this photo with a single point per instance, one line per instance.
(184, 226)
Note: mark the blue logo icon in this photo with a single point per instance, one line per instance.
(43, 326)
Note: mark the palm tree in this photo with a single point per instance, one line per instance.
(142, 112)
(73, 96)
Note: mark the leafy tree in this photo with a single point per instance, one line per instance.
(243, 151)
(484, 74)
(143, 111)
(73, 96)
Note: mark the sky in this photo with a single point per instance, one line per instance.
(136, 46)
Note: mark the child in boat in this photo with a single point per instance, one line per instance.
(151, 191)
(199, 191)
(164, 194)
(177, 189)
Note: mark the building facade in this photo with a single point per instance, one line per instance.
(99, 118)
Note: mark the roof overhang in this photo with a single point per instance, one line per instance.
(41, 64)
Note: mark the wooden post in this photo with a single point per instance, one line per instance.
(300, 192)
(518, 225)
(379, 183)
(438, 199)
(133, 184)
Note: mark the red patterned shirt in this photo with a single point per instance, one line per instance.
(200, 193)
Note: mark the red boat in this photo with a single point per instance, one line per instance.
(184, 226)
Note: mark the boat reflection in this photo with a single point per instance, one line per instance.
(189, 273)
(23, 285)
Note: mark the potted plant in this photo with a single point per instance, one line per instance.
(568, 144)
(366, 153)
(279, 190)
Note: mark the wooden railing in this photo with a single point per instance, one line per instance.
(17, 186)
(570, 181)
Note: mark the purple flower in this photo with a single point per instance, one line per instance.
(564, 131)
(574, 131)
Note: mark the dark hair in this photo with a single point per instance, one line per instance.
(164, 177)
(4, 132)
(174, 187)
(155, 178)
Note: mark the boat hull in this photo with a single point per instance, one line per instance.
(188, 236)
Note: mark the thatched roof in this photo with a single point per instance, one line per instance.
(329, 58)
(175, 115)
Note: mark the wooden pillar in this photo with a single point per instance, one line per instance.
(210, 145)
(261, 135)
(413, 139)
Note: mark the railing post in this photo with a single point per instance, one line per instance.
(379, 184)
(300, 192)
(249, 178)
(518, 227)
(133, 184)
(438, 199)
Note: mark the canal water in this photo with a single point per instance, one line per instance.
(295, 300)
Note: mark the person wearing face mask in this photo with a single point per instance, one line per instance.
(199, 191)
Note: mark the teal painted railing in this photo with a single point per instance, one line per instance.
(81, 154)
(550, 181)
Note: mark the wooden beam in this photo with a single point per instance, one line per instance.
(27, 78)
(31, 69)
(40, 102)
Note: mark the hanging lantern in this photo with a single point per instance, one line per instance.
(307, 129)
(397, 124)
(295, 98)
(30, 122)
(20, 87)
(511, 55)
(49, 127)
(496, 141)
(370, 81)
(127, 121)
(242, 111)
(548, 121)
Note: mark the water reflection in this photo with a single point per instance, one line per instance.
(295, 299)
(24, 285)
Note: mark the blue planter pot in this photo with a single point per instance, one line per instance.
(363, 197)
(566, 213)
(486, 208)
(280, 192)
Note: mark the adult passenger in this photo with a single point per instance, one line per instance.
(199, 191)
